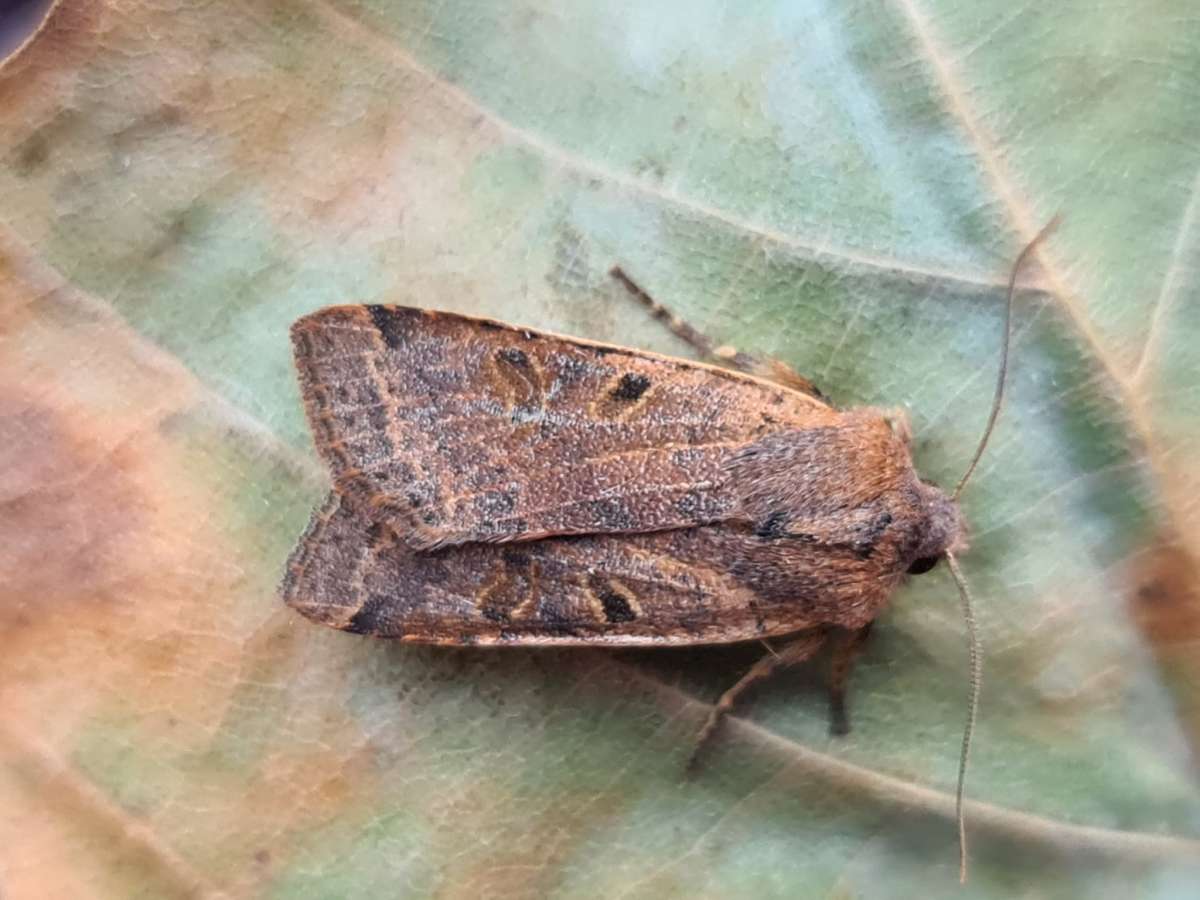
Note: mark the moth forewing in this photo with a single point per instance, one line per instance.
(709, 585)
(457, 430)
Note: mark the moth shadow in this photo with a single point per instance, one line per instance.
(685, 677)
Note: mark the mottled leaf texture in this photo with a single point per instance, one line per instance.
(841, 185)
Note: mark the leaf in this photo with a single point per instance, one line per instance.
(843, 186)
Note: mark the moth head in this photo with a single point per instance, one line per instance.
(943, 530)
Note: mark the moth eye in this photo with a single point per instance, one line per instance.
(921, 566)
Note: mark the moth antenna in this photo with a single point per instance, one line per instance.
(976, 655)
(998, 398)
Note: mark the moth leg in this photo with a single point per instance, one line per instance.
(847, 645)
(796, 652)
(770, 369)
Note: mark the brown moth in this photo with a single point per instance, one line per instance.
(494, 485)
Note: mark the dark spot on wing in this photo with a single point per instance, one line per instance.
(394, 324)
(514, 356)
(517, 560)
(701, 506)
(553, 617)
(571, 369)
(616, 607)
(376, 534)
(611, 514)
(496, 612)
(495, 504)
(419, 493)
(302, 341)
(773, 527)
(372, 618)
(689, 504)
(552, 612)
(869, 535)
(760, 623)
(377, 418)
(631, 386)
(684, 456)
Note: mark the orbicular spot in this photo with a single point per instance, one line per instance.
(616, 607)
(631, 386)
(514, 356)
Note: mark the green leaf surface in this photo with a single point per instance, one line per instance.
(841, 185)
